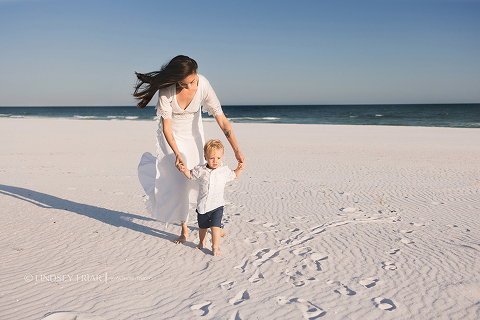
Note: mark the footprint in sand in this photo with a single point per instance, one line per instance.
(227, 285)
(341, 288)
(201, 309)
(389, 265)
(407, 241)
(406, 231)
(393, 251)
(235, 316)
(270, 225)
(240, 297)
(281, 257)
(301, 251)
(384, 304)
(368, 282)
(312, 261)
(298, 279)
(254, 221)
(247, 240)
(318, 256)
(417, 224)
(296, 240)
(264, 255)
(242, 266)
(260, 252)
(348, 210)
(256, 277)
(308, 309)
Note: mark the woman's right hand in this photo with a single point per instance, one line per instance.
(179, 162)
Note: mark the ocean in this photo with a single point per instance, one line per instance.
(422, 115)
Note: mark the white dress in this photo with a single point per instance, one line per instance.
(170, 195)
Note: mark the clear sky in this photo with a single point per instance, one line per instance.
(85, 52)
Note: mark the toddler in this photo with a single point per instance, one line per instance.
(212, 178)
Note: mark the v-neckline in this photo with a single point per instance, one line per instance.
(188, 105)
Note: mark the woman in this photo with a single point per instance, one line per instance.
(180, 137)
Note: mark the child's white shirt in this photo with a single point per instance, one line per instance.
(211, 186)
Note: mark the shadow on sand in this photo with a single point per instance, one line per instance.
(111, 217)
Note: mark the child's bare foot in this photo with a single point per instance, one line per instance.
(181, 239)
(223, 233)
(200, 246)
(216, 252)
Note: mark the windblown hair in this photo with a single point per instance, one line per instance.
(212, 145)
(175, 71)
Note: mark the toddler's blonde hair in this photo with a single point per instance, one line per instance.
(212, 145)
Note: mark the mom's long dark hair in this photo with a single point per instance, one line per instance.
(175, 71)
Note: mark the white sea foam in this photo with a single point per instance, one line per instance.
(85, 117)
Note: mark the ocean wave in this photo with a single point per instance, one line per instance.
(84, 117)
(271, 118)
(132, 117)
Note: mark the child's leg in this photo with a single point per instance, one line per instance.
(202, 237)
(216, 234)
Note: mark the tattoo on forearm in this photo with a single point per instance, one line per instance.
(227, 132)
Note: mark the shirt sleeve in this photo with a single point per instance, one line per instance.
(230, 175)
(211, 104)
(164, 104)
(195, 173)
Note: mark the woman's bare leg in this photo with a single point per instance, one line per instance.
(184, 236)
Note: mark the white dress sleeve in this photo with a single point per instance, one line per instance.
(211, 104)
(164, 104)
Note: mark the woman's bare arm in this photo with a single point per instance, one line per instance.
(226, 127)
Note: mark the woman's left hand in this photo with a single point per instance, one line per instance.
(240, 157)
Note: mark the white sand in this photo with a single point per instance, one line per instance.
(328, 222)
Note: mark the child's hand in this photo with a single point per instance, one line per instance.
(241, 166)
(182, 168)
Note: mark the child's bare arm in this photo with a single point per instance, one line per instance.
(186, 172)
(239, 169)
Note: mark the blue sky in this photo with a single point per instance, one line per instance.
(81, 53)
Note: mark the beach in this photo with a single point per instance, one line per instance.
(326, 221)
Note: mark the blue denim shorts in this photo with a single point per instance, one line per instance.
(210, 219)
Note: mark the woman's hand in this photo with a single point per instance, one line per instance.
(240, 158)
(179, 163)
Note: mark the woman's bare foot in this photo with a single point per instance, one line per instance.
(184, 236)
(216, 252)
(181, 239)
(200, 246)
